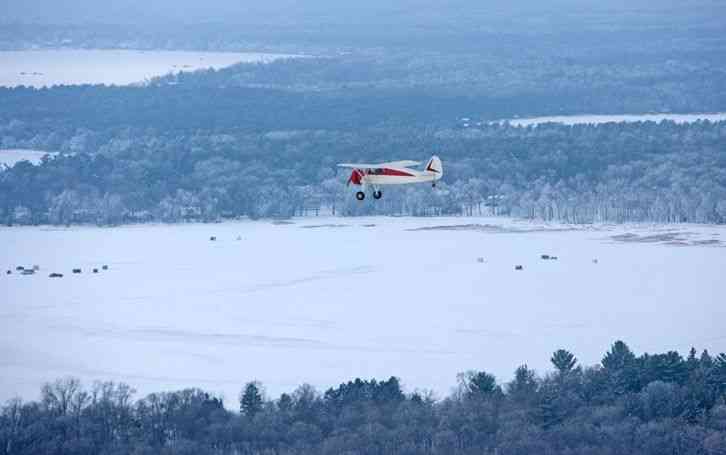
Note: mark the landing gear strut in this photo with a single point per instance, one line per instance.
(377, 194)
(360, 195)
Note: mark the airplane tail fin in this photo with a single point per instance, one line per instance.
(435, 167)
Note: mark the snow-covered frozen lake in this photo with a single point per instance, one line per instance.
(48, 67)
(10, 157)
(325, 300)
(591, 119)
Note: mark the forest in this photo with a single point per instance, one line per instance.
(627, 404)
(380, 82)
(664, 172)
(258, 140)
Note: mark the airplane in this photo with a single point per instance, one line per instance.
(392, 173)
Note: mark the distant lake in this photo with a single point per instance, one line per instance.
(597, 119)
(40, 68)
(9, 157)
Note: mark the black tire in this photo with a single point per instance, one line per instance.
(360, 195)
(377, 194)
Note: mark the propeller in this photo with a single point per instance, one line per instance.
(355, 177)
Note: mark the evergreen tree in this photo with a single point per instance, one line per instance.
(668, 367)
(481, 384)
(524, 386)
(251, 400)
(718, 375)
(564, 361)
(619, 366)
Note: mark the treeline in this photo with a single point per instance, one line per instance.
(387, 88)
(627, 404)
(504, 77)
(260, 140)
(664, 172)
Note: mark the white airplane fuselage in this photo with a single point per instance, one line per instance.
(390, 174)
(393, 176)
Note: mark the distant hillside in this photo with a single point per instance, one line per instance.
(410, 24)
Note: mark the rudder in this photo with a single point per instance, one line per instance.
(434, 166)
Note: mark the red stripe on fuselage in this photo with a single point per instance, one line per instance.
(356, 177)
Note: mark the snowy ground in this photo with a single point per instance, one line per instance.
(325, 300)
(48, 67)
(591, 119)
(9, 157)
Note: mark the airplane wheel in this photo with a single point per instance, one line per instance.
(433, 185)
(377, 194)
(360, 195)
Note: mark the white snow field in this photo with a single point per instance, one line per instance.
(325, 300)
(49, 67)
(10, 157)
(592, 119)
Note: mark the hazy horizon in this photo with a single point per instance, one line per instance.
(129, 12)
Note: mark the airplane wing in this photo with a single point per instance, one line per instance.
(360, 166)
(391, 164)
(403, 163)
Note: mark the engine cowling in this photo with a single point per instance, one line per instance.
(356, 177)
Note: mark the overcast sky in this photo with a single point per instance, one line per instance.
(190, 11)
(273, 11)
